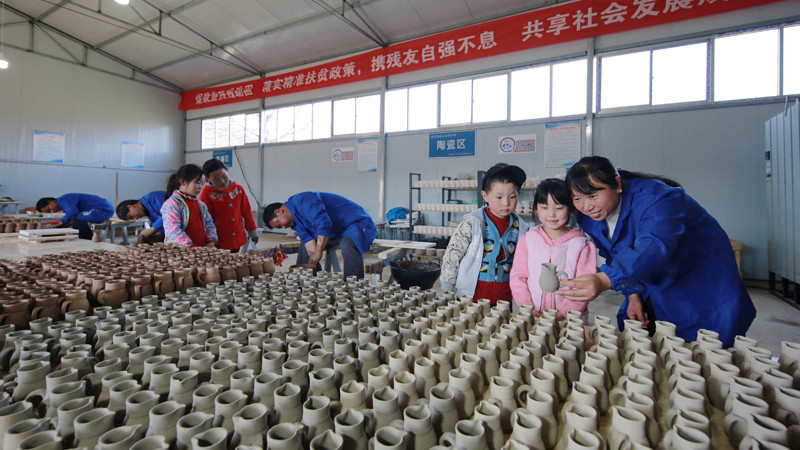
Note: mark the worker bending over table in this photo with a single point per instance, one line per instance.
(149, 205)
(80, 210)
(323, 220)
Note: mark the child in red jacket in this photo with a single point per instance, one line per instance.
(229, 207)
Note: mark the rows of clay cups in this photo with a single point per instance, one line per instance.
(306, 360)
(439, 231)
(448, 184)
(446, 207)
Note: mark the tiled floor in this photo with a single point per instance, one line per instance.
(776, 320)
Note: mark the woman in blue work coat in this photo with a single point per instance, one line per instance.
(663, 251)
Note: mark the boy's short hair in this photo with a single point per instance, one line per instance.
(212, 165)
(122, 208)
(269, 213)
(43, 202)
(504, 173)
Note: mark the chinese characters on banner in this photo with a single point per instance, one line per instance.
(579, 19)
(459, 143)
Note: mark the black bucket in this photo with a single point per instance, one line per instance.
(415, 273)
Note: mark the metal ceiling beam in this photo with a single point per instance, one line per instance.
(250, 67)
(255, 34)
(52, 9)
(132, 28)
(352, 24)
(55, 41)
(116, 59)
(365, 21)
(148, 23)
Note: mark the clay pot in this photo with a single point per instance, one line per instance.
(15, 312)
(46, 306)
(163, 283)
(75, 300)
(113, 294)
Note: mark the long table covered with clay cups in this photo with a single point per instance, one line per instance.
(297, 360)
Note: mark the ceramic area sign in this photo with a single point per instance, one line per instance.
(226, 156)
(459, 143)
(579, 19)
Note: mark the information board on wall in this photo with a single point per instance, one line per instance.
(48, 146)
(562, 143)
(226, 156)
(445, 145)
(132, 154)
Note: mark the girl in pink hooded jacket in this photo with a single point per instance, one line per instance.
(553, 241)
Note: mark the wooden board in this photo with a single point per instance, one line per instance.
(37, 240)
(48, 234)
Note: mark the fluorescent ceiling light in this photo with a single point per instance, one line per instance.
(3, 62)
(122, 2)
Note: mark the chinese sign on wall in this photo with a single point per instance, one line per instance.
(459, 143)
(342, 154)
(226, 156)
(525, 143)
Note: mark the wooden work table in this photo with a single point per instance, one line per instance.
(15, 248)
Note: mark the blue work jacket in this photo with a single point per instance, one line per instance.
(74, 204)
(152, 206)
(667, 247)
(324, 214)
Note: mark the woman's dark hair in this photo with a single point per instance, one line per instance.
(553, 187)
(188, 172)
(212, 165)
(589, 170)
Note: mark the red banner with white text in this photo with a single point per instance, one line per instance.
(580, 19)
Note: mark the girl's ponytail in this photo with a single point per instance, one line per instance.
(187, 172)
(173, 183)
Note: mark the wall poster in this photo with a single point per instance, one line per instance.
(132, 154)
(562, 143)
(48, 146)
(368, 155)
(342, 154)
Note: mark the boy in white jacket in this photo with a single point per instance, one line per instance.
(480, 253)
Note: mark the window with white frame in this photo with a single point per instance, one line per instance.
(322, 120)
(368, 114)
(569, 88)
(396, 110)
(791, 63)
(530, 93)
(422, 107)
(490, 98)
(456, 106)
(680, 74)
(625, 80)
(344, 116)
(229, 131)
(746, 65)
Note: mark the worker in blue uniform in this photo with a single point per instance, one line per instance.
(149, 205)
(80, 211)
(669, 257)
(324, 220)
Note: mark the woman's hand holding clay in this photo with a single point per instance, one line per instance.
(585, 288)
